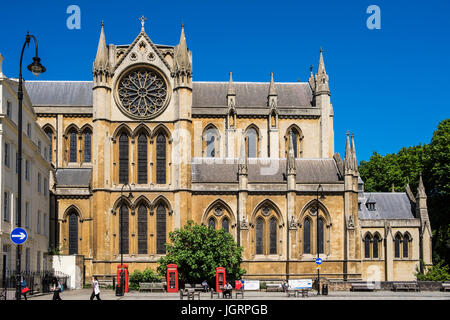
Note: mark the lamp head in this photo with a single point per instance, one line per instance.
(36, 67)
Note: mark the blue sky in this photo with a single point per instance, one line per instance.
(389, 86)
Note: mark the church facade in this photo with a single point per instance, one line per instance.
(142, 148)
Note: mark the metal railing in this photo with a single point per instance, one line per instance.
(37, 282)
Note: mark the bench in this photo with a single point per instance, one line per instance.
(196, 287)
(151, 286)
(274, 287)
(213, 292)
(240, 292)
(190, 293)
(405, 286)
(445, 285)
(291, 292)
(367, 286)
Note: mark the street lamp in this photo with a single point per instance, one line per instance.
(120, 288)
(36, 68)
(322, 197)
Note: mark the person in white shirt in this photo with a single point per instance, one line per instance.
(95, 289)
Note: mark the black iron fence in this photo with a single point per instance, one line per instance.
(37, 282)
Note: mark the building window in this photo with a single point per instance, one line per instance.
(307, 236)
(27, 170)
(38, 262)
(6, 206)
(27, 215)
(87, 145)
(142, 229)
(39, 182)
(142, 159)
(397, 242)
(376, 241)
(252, 143)
(406, 240)
(49, 132)
(17, 212)
(123, 158)
(45, 224)
(73, 232)
(161, 229)
(8, 109)
(29, 130)
(211, 137)
(27, 260)
(273, 236)
(45, 187)
(367, 239)
(226, 225)
(7, 152)
(38, 231)
(124, 229)
(161, 159)
(212, 223)
(371, 206)
(294, 134)
(320, 235)
(73, 146)
(260, 236)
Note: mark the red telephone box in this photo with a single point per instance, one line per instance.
(220, 278)
(123, 268)
(238, 284)
(172, 278)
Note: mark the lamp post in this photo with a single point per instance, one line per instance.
(120, 288)
(36, 68)
(322, 197)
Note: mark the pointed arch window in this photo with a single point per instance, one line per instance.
(252, 143)
(260, 236)
(226, 225)
(273, 236)
(73, 232)
(320, 236)
(211, 141)
(376, 241)
(142, 159)
(397, 242)
(124, 229)
(406, 246)
(49, 133)
(161, 159)
(142, 229)
(161, 229)
(87, 145)
(123, 158)
(296, 136)
(72, 146)
(307, 236)
(212, 223)
(367, 239)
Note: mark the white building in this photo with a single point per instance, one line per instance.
(35, 186)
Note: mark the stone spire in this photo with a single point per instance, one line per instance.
(273, 96)
(321, 81)
(311, 80)
(101, 60)
(101, 68)
(348, 160)
(355, 162)
(182, 63)
(421, 189)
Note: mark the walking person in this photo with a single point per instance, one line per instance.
(95, 289)
(23, 288)
(56, 288)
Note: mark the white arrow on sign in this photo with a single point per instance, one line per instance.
(21, 236)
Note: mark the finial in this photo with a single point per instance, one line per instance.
(143, 19)
(311, 68)
(182, 24)
(321, 50)
(103, 24)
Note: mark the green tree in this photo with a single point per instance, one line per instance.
(198, 250)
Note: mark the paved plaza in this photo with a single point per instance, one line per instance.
(109, 294)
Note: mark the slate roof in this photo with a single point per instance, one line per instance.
(388, 205)
(76, 177)
(60, 93)
(205, 94)
(212, 170)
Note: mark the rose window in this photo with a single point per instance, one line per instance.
(142, 93)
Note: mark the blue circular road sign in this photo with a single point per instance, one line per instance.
(19, 236)
(318, 261)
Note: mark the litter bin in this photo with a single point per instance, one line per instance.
(324, 289)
